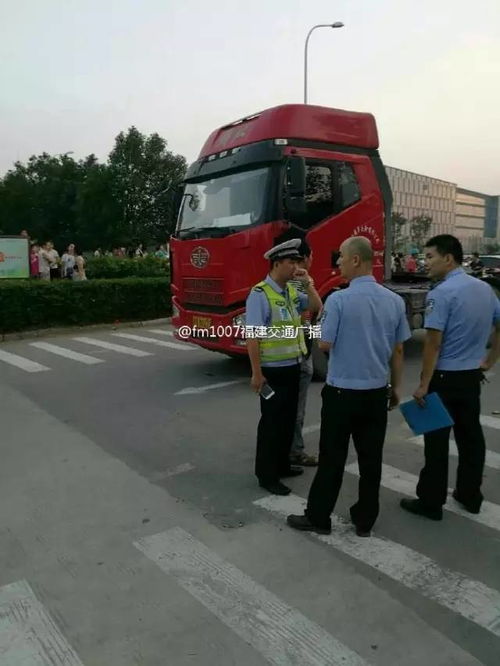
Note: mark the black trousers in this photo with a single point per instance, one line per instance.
(362, 414)
(460, 392)
(277, 423)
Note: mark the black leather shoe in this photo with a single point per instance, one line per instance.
(304, 524)
(362, 533)
(415, 506)
(276, 488)
(468, 507)
(293, 471)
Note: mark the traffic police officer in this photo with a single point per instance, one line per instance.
(363, 327)
(460, 313)
(275, 354)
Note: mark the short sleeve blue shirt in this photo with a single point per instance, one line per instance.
(363, 323)
(464, 309)
(258, 313)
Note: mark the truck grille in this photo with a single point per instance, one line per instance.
(203, 291)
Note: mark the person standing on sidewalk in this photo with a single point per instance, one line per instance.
(460, 313)
(273, 313)
(363, 327)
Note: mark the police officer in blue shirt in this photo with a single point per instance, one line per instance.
(363, 327)
(461, 311)
(275, 353)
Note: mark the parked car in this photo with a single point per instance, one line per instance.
(491, 263)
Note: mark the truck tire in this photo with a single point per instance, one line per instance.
(320, 363)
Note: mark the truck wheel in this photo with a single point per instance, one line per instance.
(320, 363)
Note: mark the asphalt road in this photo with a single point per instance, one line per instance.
(132, 530)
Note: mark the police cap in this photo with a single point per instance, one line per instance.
(287, 250)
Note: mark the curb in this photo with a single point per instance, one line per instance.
(64, 330)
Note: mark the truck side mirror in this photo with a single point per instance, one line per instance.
(295, 189)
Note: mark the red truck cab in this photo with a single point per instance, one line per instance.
(309, 167)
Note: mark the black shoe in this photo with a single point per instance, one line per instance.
(363, 533)
(304, 524)
(291, 472)
(468, 507)
(276, 488)
(415, 506)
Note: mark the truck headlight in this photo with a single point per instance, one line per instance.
(240, 320)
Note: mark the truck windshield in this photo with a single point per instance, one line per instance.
(225, 202)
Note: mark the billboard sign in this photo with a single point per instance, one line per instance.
(14, 257)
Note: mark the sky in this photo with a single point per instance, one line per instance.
(75, 73)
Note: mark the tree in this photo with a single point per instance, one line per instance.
(41, 196)
(419, 230)
(143, 175)
(400, 240)
(126, 200)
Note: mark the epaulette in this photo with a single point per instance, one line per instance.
(258, 286)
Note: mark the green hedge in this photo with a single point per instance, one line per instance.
(110, 268)
(33, 304)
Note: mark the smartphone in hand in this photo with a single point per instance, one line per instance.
(266, 392)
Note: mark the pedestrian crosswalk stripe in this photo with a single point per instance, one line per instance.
(28, 634)
(470, 598)
(406, 483)
(280, 633)
(21, 362)
(67, 353)
(490, 421)
(153, 341)
(121, 349)
(492, 458)
(161, 331)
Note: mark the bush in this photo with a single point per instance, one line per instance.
(110, 268)
(32, 304)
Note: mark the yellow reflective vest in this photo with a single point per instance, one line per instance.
(285, 338)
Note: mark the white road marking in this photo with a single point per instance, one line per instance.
(21, 362)
(492, 458)
(67, 353)
(152, 341)
(280, 633)
(469, 598)
(406, 483)
(161, 331)
(490, 421)
(121, 349)
(312, 428)
(180, 469)
(195, 390)
(28, 634)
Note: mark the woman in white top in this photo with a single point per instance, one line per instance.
(53, 254)
(44, 262)
(79, 268)
(68, 261)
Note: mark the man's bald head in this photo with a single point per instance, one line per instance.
(360, 246)
(356, 257)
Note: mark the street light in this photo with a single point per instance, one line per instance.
(338, 24)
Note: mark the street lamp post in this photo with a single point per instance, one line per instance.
(338, 24)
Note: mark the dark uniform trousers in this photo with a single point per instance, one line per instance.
(362, 414)
(460, 392)
(277, 423)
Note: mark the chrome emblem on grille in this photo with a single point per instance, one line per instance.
(200, 257)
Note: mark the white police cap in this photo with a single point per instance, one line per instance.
(287, 250)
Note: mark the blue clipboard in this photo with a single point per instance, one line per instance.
(426, 419)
